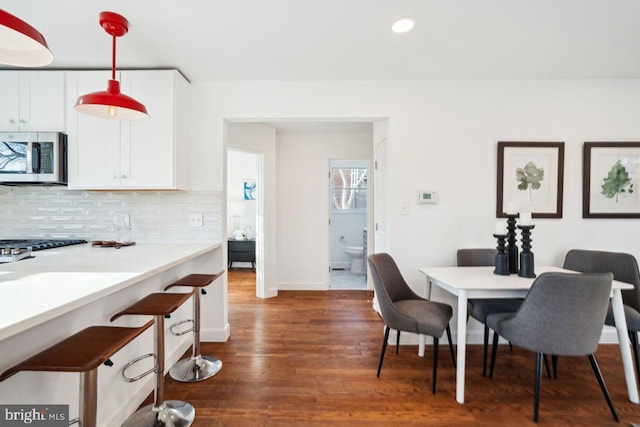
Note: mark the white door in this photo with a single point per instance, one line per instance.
(381, 188)
(381, 195)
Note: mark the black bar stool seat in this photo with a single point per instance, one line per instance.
(82, 352)
(197, 367)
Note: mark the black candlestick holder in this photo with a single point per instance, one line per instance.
(512, 248)
(526, 256)
(502, 263)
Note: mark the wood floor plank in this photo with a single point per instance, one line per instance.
(310, 358)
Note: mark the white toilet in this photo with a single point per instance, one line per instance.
(357, 258)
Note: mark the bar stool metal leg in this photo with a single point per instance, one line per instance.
(197, 367)
(88, 398)
(169, 413)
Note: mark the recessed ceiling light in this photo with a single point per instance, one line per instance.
(403, 25)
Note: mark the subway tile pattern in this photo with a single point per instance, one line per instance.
(157, 216)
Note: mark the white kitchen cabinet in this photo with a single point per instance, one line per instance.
(126, 155)
(32, 101)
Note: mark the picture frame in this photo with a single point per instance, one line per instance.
(530, 177)
(610, 180)
(249, 190)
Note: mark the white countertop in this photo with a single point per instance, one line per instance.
(60, 280)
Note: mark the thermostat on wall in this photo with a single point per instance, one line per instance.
(428, 197)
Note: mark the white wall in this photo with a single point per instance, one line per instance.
(303, 202)
(443, 136)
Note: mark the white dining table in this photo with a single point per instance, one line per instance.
(481, 282)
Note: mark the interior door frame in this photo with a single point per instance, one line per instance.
(327, 195)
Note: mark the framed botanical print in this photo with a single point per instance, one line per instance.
(610, 175)
(530, 177)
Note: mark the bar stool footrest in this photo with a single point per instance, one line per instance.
(186, 331)
(172, 413)
(144, 374)
(196, 368)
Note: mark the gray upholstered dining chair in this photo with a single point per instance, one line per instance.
(404, 310)
(479, 309)
(563, 314)
(625, 269)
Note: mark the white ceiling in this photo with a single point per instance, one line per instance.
(348, 39)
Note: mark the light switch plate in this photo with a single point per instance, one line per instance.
(427, 197)
(196, 219)
(404, 208)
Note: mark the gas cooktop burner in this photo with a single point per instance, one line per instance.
(14, 254)
(12, 250)
(38, 244)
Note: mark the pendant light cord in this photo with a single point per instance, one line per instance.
(113, 59)
(112, 103)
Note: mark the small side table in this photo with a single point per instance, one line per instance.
(241, 251)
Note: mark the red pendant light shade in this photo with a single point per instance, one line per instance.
(111, 103)
(22, 45)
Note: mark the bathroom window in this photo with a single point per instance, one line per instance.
(348, 189)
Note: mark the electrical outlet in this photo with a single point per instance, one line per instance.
(196, 220)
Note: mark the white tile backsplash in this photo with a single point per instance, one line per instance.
(158, 216)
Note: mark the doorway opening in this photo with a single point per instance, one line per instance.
(243, 204)
(348, 219)
(303, 149)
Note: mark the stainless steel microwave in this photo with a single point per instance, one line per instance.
(33, 158)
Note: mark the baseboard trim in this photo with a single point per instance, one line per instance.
(215, 335)
(302, 286)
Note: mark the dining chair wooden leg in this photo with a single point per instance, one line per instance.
(494, 349)
(485, 350)
(397, 341)
(453, 354)
(603, 387)
(536, 397)
(546, 365)
(436, 346)
(384, 348)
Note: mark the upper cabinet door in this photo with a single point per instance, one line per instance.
(93, 142)
(148, 146)
(10, 102)
(32, 101)
(42, 101)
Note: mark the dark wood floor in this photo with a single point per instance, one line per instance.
(310, 358)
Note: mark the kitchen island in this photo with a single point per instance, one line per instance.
(61, 291)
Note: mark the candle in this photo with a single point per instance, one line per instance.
(500, 229)
(512, 209)
(525, 218)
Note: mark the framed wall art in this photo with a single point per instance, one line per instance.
(249, 190)
(610, 175)
(530, 177)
